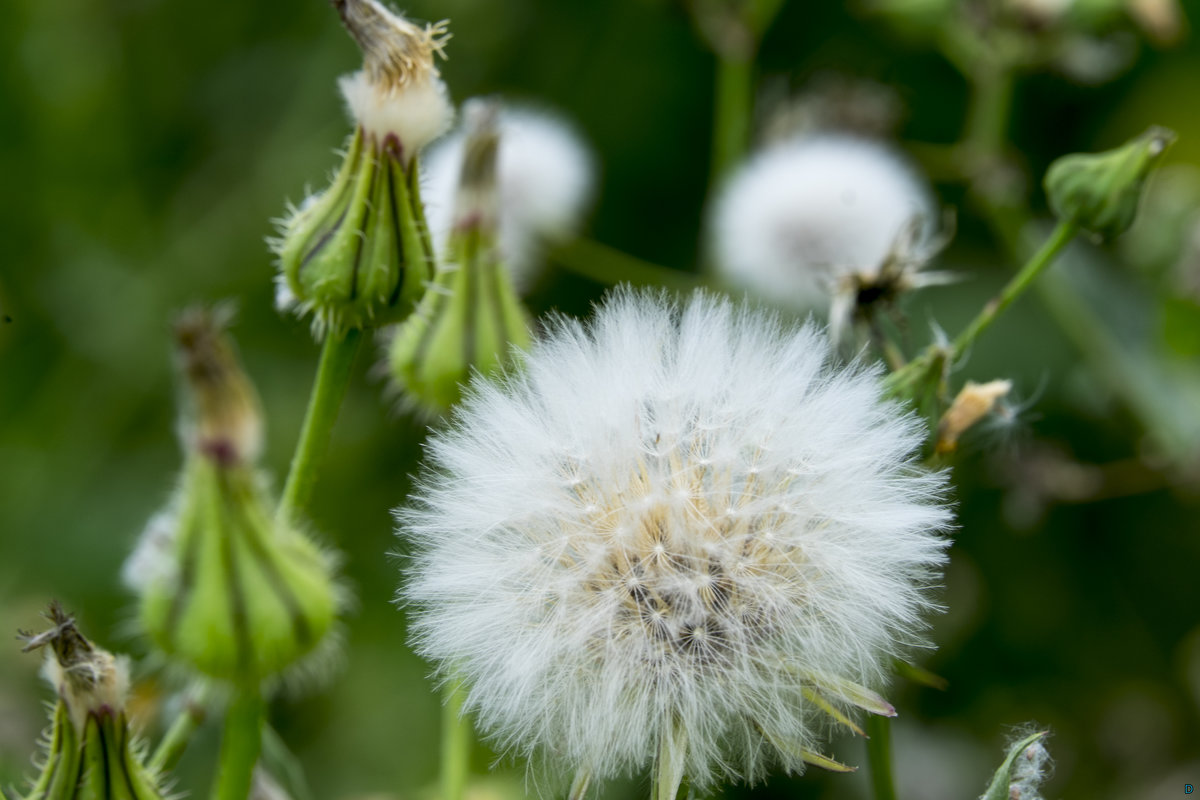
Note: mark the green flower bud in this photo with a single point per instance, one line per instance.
(358, 254)
(90, 752)
(1100, 192)
(471, 317)
(227, 588)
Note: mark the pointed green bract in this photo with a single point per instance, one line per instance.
(469, 320)
(355, 256)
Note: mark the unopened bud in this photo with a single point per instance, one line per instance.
(359, 253)
(90, 753)
(1100, 192)
(471, 317)
(227, 589)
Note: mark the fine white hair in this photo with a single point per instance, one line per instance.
(545, 174)
(801, 214)
(415, 114)
(679, 529)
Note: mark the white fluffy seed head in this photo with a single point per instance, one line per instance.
(672, 519)
(544, 176)
(802, 214)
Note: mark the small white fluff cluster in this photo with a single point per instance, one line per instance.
(1031, 768)
(801, 215)
(675, 536)
(544, 179)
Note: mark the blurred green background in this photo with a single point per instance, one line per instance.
(145, 147)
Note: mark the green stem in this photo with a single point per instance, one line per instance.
(989, 111)
(733, 107)
(240, 745)
(333, 375)
(1044, 257)
(176, 739)
(609, 266)
(456, 743)
(879, 756)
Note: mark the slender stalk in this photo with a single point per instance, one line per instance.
(733, 107)
(176, 739)
(240, 746)
(609, 266)
(1044, 257)
(456, 744)
(333, 375)
(879, 756)
(989, 110)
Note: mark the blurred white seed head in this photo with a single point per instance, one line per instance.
(799, 217)
(678, 536)
(545, 175)
(398, 92)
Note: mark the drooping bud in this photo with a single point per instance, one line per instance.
(359, 254)
(90, 751)
(1100, 192)
(226, 588)
(470, 317)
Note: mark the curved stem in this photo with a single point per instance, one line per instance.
(176, 739)
(1044, 257)
(879, 756)
(609, 266)
(240, 746)
(456, 743)
(333, 375)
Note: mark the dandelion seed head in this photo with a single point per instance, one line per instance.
(803, 214)
(672, 516)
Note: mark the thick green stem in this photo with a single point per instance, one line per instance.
(609, 266)
(176, 739)
(879, 757)
(333, 375)
(456, 743)
(240, 745)
(1044, 257)
(732, 113)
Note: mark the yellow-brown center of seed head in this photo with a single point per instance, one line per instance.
(687, 555)
(396, 52)
(225, 422)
